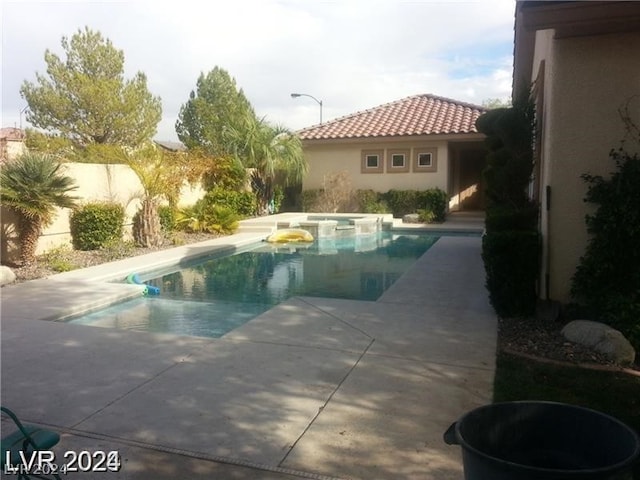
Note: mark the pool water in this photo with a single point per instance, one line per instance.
(215, 295)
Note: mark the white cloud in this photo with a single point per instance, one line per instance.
(352, 54)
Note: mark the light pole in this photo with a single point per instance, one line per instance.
(296, 95)
(21, 112)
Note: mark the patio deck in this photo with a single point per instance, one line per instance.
(314, 388)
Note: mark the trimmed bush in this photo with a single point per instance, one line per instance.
(95, 224)
(502, 218)
(511, 246)
(240, 202)
(511, 260)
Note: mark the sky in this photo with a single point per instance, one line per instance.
(350, 54)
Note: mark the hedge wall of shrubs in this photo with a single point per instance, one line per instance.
(511, 243)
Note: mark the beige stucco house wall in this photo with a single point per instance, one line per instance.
(324, 159)
(416, 143)
(583, 59)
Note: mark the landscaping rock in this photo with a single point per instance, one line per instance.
(6, 275)
(602, 338)
(411, 218)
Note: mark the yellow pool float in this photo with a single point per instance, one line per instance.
(288, 235)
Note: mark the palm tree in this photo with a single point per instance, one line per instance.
(273, 151)
(32, 186)
(159, 176)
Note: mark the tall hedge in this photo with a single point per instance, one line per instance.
(511, 244)
(95, 224)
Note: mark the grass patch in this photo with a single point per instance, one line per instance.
(614, 393)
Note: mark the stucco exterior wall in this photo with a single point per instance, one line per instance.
(95, 182)
(325, 159)
(10, 149)
(587, 79)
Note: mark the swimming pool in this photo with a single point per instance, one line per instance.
(217, 294)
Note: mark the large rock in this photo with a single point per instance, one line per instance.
(6, 275)
(602, 338)
(411, 218)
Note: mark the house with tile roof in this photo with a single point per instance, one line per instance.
(12, 143)
(581, 62)
(418, 142)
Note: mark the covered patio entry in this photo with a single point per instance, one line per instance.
(466, 183)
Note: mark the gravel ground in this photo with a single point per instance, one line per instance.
(543, 338)
(42, 267)
(540, 338)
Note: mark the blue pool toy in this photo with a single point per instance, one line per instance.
(149, 289)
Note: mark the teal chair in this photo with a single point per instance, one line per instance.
(27, 439)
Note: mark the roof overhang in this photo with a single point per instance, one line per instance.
(459, 137)
(567, 19)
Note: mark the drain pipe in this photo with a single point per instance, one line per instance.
(547, 261)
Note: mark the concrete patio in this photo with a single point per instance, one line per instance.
(314, 388)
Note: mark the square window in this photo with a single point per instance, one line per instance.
(371, 161)
(425, 160)
(397, 160)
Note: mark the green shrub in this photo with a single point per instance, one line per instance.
(370, 201)
(511, 246)
(426, 216)
(225, 172)
(59, 259)
(511, 260)
(402, 202)
(94, 224)
(435, 202)
(501, 218)
(117, 248)
(167, 216)
(208, 218)
(607, 279)
(278, 198)
(240, 202)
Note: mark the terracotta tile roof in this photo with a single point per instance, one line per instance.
(12, 133)
(171, 146)
(416, 115)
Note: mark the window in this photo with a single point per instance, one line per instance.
(371, 161)
(398, 160)
(425, 159)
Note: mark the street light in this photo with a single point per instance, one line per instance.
(21, 112)
(296, 95)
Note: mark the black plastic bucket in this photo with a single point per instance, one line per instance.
(543, 441)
